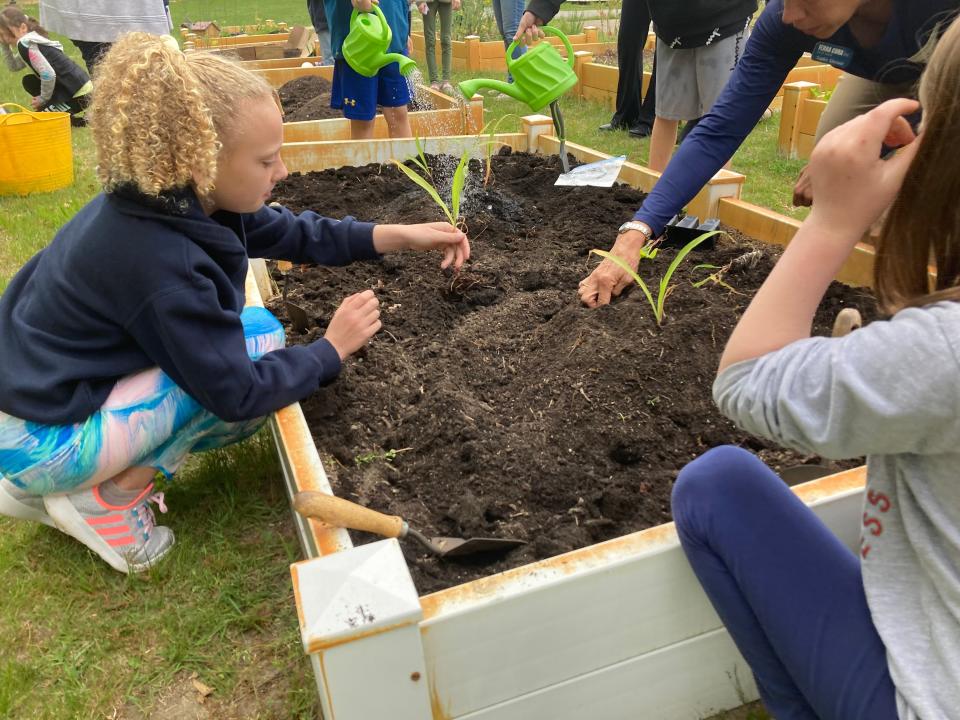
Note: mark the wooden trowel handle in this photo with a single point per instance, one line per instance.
(343, 513)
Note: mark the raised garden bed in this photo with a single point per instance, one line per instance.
(494, 404)
(474, 54)
(804, 101)
(607, 631)
(308, 116)
(599, 77)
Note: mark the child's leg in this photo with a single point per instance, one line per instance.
(356, 95)
(445, 10)
(393, 94)
(788, 591)
(429, 37)
(147, 422)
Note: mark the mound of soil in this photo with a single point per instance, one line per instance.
(493, 403)
(307, 98)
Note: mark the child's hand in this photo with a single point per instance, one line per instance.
(422, 7)
(36, 102)
(354, 322)
(365, 5)
(439, 236)
(455, 4)
(851, 185)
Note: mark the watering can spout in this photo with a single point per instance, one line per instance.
(469, 88)
(407, 65)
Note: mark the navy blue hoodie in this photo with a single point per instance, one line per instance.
(131, 283)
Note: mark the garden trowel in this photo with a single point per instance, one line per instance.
(343, 513)
(299, 320)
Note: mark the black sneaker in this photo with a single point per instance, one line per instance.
(613, 125)
(640, 130)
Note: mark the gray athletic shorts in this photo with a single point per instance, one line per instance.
(690, 81)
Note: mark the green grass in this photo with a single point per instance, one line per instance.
(78, 640)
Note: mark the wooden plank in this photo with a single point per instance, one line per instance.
(809, 116)
(805, 144)
(278, 77)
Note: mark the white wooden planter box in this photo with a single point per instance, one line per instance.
(616, 630)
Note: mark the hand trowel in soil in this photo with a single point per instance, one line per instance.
(299, 320)
(343, 513)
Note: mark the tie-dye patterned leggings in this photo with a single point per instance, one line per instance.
(147, 421)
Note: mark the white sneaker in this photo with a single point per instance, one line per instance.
(16, 503)
(124, 536)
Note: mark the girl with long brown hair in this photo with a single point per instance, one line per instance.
(828, 633)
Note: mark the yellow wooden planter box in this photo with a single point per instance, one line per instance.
(614, 630)
(800, 115)
(473, 54)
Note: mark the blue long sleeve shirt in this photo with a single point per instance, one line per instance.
(127, 285)
(771, 52)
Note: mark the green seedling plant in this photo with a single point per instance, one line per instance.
(490, 129)
(452, 211)
(664, 289)
(818, 94)
(716, 277)
(381, 455)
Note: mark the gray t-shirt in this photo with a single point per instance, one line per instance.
(890, 391)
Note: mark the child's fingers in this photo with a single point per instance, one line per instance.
(886, 115)
(900, 133)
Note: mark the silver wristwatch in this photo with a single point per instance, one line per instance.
(638, 226)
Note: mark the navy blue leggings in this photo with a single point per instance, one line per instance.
(788, 591)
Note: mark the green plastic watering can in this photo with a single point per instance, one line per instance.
(365, 47)
(540, 75)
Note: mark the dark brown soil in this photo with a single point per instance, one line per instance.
(307, 98)
(492, 403)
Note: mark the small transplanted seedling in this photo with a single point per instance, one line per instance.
(818, 94)
(716, 277)
(452, 211)
(490, 129)
(664, 289)
(378, 455)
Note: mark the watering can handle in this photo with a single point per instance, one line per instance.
(549, 30)
(375, 9)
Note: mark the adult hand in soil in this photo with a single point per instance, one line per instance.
(852, 186)
(609, 279)
(529, 30)
(354, 322)
(365, 5)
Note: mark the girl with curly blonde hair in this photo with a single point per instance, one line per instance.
(126, 341)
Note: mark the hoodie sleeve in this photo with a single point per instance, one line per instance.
(544, 9)
(279, 234)
(13, 62)
(48, 76)
(202, 348)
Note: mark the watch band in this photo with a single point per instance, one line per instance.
(638, 226)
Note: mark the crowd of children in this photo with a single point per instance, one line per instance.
(127, 346)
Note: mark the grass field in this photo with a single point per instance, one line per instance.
(78, 640)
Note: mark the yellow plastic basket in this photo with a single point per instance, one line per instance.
(35, 151)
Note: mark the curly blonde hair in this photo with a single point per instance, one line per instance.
(160, 117)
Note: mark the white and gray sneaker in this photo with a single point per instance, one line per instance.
(123, 535)
(19, 504)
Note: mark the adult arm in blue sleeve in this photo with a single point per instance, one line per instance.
(279, 234)
(771, 52)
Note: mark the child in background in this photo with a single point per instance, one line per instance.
(57, 84)
(828, 633)
(430, 11)
(359, 96)
(126, 341)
